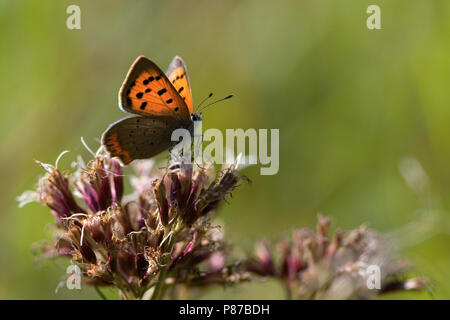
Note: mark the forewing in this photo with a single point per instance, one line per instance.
(147, 91)
(139, 137)
(178, 76)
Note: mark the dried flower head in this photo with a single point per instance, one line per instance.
(311, 265)
(140, 244)
(158, 241)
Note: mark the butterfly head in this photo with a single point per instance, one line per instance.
(196, 116)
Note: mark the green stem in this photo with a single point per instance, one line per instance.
(158, 293)
(100, 293)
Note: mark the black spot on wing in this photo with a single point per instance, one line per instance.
(148, 80)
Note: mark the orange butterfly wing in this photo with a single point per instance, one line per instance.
(147, 91)
(177, 75)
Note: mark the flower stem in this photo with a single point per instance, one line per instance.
(97, 289)
(158, 293)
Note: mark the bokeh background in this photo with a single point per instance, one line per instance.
(351, 105)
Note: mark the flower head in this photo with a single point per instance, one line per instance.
(158, 241)
(312, 267)
(160, 231)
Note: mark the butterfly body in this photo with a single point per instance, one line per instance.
(161, 103)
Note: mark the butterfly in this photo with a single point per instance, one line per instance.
(162, 103)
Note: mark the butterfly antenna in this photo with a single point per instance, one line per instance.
(210, 104)
(209, 96)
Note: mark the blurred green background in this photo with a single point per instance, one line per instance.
(350, 104)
